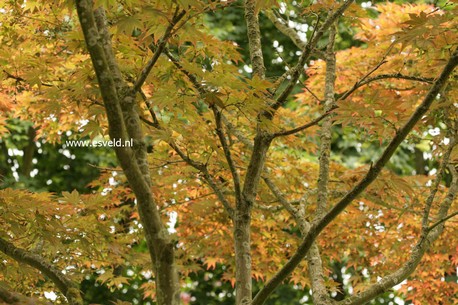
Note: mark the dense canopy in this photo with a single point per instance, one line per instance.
(229, 152)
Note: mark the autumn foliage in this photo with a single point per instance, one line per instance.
(202, 107)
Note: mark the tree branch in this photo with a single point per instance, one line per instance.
(124, 121)
(365, 81)
(244, 140)
(103, 72)
(242, 219)
(298, 69)
(240, 215)
(313, 94)
(227, 153)
(268, 208)
(424, 243)
(11, 297)
(201, 167)
(345, 95)
(254, 38)
(197, 165)
(441, 221)
(305, 126)
(293, 73)
(326, 132)
(435, 186)
(105, 37)
(159, 49)
(108, 75)
(282, 26)
(315, 265)
(192, 78)
(295, 213)
(7, 296)
(317, 227)
(320, 293)
(68, 288)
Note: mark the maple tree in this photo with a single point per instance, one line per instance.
(243, 171)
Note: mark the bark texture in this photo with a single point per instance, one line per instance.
(124, 123)
(244, 204)
(254, 38)
(315, 265)
(371, 175)
(68, 288)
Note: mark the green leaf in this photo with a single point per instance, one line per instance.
(128, 24)
(73, 197)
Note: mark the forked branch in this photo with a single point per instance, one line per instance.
(298, 69)
(202, 168)
(371, 175)
(315, 268)
(124, 122)
(283, 27)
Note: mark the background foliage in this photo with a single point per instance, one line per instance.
(73, 206)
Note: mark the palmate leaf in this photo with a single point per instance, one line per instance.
(117, 281)
(32, 5)
(106, 277)
(92, 129)
(128, 24)
(211, 262)
(416, 19)
(72, 198)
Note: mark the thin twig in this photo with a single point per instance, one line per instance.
(293, 73)
(362, 82)
(201, 167)
(313, 94)
(433, 226)
(305, 126)
(436, 184)
(298, 69)
(227, 153)
(160, 48)
(371, 175)
(286, 204)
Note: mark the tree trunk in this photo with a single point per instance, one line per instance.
(124, 123)
(242, 222)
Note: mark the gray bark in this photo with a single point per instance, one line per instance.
(124, 123)
(371, 175)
